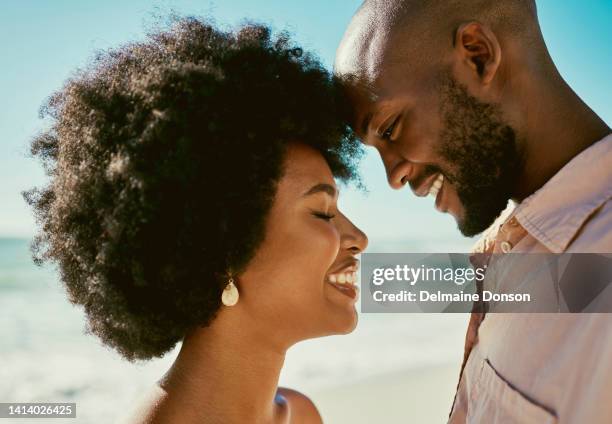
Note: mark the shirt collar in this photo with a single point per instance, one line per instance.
(487, 240)
(557, 211)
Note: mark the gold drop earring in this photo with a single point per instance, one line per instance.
(230, 294)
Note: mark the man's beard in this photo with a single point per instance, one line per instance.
(481, 152)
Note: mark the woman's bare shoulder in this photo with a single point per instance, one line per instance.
(148, 408)
(303, 410)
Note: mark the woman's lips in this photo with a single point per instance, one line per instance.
(345, 280)
(348, 276)
(347, 289)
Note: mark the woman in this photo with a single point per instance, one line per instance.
(192, 199)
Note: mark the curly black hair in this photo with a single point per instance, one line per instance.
(163, 158)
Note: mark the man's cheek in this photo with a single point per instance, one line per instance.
(455, 207)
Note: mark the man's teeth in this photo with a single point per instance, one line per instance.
(343, 278)
(437, 185)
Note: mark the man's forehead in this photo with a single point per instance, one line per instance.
(362, 99)
(381, 68)
(362, 50)
(369, 94)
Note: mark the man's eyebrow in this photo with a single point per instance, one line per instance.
(365, 124)
(322, 188)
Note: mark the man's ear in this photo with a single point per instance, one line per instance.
(478, 48)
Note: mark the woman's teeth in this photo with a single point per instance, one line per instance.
(343, 278)
(437, 185)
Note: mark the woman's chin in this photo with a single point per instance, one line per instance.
(343, 317)
(343, 321)
(350, 327)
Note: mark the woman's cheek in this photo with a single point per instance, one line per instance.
(328, 240)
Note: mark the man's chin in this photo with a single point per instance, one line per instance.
(471, 224)
(468, 229)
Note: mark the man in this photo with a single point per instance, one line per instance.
(462, 101)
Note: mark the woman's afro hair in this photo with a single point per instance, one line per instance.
(163, 158)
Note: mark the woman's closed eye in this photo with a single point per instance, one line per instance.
(323, 215)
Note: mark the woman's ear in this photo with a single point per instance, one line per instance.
(478, 49)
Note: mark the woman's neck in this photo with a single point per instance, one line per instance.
(226, 373)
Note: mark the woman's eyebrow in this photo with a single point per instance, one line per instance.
(322, 188)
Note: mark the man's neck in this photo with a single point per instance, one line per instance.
(558, 125)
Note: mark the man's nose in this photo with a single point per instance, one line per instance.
(399, 170)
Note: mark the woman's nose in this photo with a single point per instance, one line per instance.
(351, 237)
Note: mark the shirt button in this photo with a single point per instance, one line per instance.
(506, 246)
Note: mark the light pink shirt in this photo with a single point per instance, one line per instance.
(546, 368)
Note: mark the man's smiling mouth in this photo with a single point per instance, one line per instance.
(437, 191)
(436, 185)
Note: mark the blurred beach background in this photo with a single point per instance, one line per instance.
(394, 368)
(388, 362)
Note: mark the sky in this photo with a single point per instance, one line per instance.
(44, 41)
